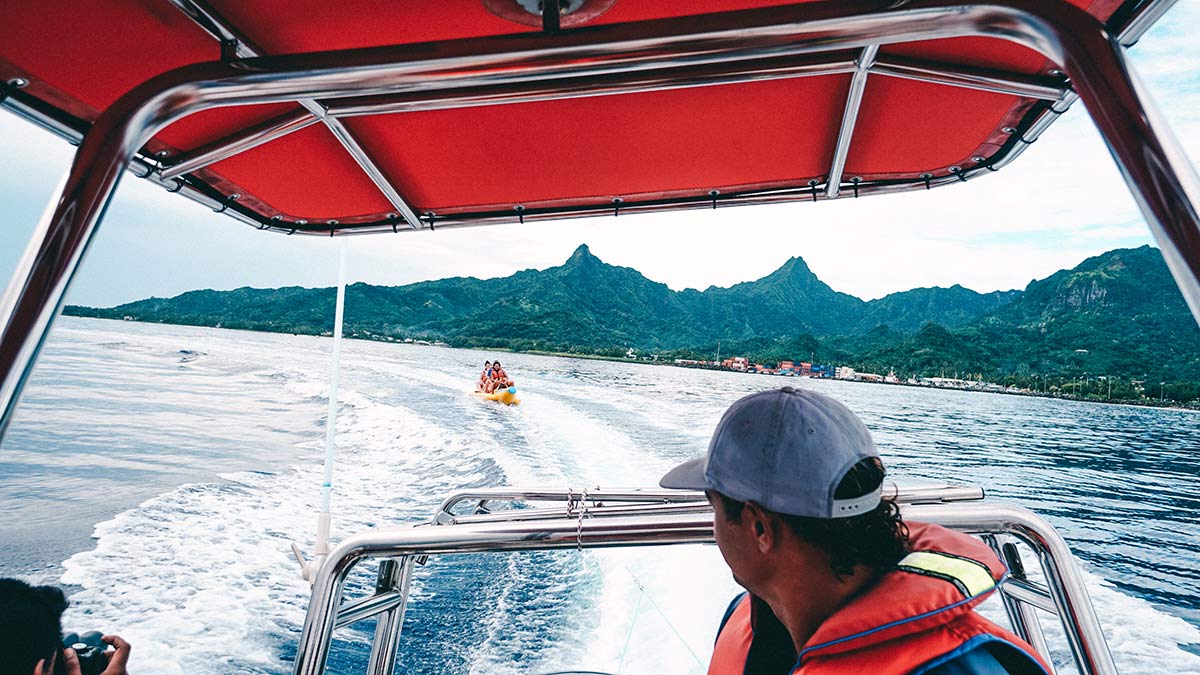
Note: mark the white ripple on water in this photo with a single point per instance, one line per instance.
(1141, 638)
(208, 565)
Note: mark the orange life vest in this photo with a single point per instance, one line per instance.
(917, 616)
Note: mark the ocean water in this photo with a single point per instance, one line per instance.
(160, 473)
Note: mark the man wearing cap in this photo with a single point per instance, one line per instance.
(836, 581)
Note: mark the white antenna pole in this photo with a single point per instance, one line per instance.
(322, 547)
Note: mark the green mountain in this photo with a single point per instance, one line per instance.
(1118, 314)
(1115, 315)
(582, 303)
(909, 310)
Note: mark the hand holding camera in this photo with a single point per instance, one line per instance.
(88, 654)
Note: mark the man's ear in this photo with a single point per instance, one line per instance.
(762, 526)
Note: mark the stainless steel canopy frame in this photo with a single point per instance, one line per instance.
(607, 60)
(599, 518)
(176, 173)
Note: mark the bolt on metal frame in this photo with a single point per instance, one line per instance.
(673, 517)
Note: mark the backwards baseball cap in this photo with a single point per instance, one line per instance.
(786, 450)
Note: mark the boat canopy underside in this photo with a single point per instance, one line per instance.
(770, 124)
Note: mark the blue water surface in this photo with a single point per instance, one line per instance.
(160, 473)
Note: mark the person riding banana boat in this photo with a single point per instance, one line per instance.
(495, 385)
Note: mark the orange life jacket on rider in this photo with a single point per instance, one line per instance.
(916, 617)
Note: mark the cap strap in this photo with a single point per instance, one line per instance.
(844, 508)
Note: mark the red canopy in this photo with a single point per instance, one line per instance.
(930, 112)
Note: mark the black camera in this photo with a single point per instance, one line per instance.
(90, 649)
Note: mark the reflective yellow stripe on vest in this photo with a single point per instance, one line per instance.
(971, 577)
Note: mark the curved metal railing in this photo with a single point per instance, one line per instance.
(598, 518)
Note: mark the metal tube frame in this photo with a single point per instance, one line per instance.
(239, 142)
(1145, 17)
(208, 19)
(395, 576)
(933, 493)
(1129, 28)
(569, 502)
(1021, 599)
(368, 165)
(1042, 88)
(1065, 584)
(1065, 596)
(858, 85)
(73, 130)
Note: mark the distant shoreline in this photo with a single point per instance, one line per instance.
(619, 359)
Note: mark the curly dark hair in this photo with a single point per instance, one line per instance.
(877, 538)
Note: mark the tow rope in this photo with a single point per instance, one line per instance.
(643, 593)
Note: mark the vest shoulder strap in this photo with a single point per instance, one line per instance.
(730, 610)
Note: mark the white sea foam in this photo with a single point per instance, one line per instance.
(208, 565)
(1142, 638)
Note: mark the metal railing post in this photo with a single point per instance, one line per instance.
(1023, 616)
(1067, 588)
(394, 574)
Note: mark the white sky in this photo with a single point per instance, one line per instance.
(1059, 203)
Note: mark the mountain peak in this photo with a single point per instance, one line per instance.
(794, 268)
(583, 254)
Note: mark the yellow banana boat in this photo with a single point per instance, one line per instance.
(506, 396)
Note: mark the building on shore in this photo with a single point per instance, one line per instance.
(738, 363)
(788, 368)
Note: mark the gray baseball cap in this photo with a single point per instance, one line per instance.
(786, 450)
